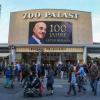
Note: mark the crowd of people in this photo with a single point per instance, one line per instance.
(76, 74)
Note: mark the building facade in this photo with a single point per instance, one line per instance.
(68, 35)
(4, 53)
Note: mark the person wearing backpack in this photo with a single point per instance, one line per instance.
(72, 81)
(80, 78)
(93, 76)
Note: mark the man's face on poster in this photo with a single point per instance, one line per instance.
(40, 30)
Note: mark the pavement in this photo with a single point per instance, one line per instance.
(60, 89)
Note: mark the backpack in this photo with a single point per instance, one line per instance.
(94, 72)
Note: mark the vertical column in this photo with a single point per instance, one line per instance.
(49, 57)
(13, 54)
(85, 55)
(10, 56)
(60, 59)
(39, 57)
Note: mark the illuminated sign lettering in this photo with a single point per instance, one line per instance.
(51, 15)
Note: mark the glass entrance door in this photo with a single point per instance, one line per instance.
(50, 57)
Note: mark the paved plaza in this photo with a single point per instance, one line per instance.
(60, 88)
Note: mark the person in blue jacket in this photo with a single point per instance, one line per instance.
(8, 76)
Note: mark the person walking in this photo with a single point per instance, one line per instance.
(50, 81)
(94, 76)
(72, 81)
(80, 78)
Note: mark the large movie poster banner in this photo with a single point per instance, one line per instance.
(50, 32)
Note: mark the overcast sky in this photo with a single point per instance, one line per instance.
(8, 6)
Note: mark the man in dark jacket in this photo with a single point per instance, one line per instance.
(94, 75)
(50, 81)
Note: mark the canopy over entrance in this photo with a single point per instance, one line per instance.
(4, 54)
(93, 55)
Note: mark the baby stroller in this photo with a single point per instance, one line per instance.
(33, 88)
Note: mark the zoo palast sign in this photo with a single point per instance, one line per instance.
(51, 15)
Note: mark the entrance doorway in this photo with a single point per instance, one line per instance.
(50, 57)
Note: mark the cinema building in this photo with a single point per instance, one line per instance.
(68, 36)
